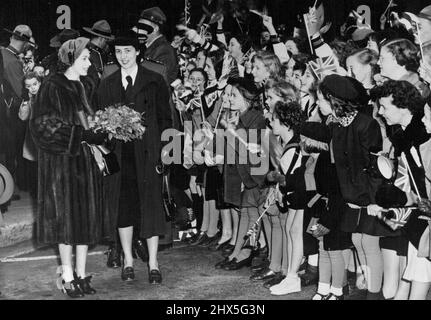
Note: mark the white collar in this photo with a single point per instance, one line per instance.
(132, 74)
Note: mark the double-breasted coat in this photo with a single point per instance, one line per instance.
(151, 97)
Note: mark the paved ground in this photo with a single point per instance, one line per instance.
(188, 274)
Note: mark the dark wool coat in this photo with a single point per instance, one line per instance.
(351, 147)
(70, 200)
(162, 51)
(151, 97)
(405, 141)
(235, 174)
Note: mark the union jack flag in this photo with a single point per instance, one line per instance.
(403, 179)
(401, 216)
(187, 15)
(323, 66)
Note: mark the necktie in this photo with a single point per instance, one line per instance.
(129, 89)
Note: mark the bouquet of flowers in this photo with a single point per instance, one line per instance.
(118, 121)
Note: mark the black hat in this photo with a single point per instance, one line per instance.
(101, 29)
(22, 32)
(316, 131)
(62, 37)
(126, 38)
(345, 88)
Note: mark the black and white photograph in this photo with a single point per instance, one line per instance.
(216, 157)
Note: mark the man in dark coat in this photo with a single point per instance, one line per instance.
(12, 128)
(149, 30)
(98, 46)
(134, 196)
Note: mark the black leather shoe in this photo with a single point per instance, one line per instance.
(114, 258)
(221, 264)
(201, 238)
(72, 289)
(210, 241)
(310, 277)
(260, 267)
(192, 238)
(265, 275)
(276, 280)
(155, 277)
(85, 285)
(128, 274)
(218, 246)
(227, 250)
(140, 249)
(236, 265)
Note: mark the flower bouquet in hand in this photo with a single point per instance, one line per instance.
(119, 122)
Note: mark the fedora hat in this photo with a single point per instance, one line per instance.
(22, 32)
(62, 37)
(6, 185)
(101, 29)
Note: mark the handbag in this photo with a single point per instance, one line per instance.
(106, 160)
(169, 204)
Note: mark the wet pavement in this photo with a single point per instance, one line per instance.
(188, 274)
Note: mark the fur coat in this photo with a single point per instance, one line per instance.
(70, 184)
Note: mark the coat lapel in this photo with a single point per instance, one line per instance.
(115, 86)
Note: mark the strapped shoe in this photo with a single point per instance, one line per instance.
(128, 274)
(319, 296)
(155, 277)
(72, 289)
(332, 296)
(114, 257)
(85, 285)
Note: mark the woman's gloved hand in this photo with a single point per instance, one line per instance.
(425, 207)
(94, 138)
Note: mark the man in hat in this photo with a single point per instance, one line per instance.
(149, 30)
(10, 96)
(134, 195)
(98, 46)
(50, 62)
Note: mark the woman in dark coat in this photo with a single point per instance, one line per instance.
(70, 183)
(354, 136)
(134, 195)
(401, 105)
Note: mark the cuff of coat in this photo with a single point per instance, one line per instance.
(317, 41)
(275, 39)
(75, 140)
